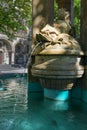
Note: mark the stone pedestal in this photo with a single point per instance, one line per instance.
(35, 90)
(58, 95)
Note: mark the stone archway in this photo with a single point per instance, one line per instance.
(18, 53)
(5, 50)
(21, 48)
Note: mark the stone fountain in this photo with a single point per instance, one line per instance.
(57, 59)
(58, 62)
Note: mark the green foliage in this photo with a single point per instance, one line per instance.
(77, 5)
(55, 11)
(15, 15)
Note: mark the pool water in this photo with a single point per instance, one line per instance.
(18, 112)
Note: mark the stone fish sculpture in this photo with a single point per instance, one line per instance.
(57, 42)
(57, 38)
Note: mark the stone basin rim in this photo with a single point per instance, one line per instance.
(66, 54)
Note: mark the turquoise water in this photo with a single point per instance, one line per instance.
(19, 112)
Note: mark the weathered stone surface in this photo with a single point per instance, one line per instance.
(57, 67)
(57, 64)
(57, 71)
(60, 84)
(54, 42)
(82, 83)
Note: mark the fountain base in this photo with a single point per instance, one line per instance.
(59, 95)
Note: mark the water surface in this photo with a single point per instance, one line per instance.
(19, 113)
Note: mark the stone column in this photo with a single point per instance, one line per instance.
(83, 36)
(42, 14)
(72, 12)
(83, 40)
(12, 57)
(64, 4)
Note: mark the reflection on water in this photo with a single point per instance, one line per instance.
(15, 95)
(13, 101)
(16, 113)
